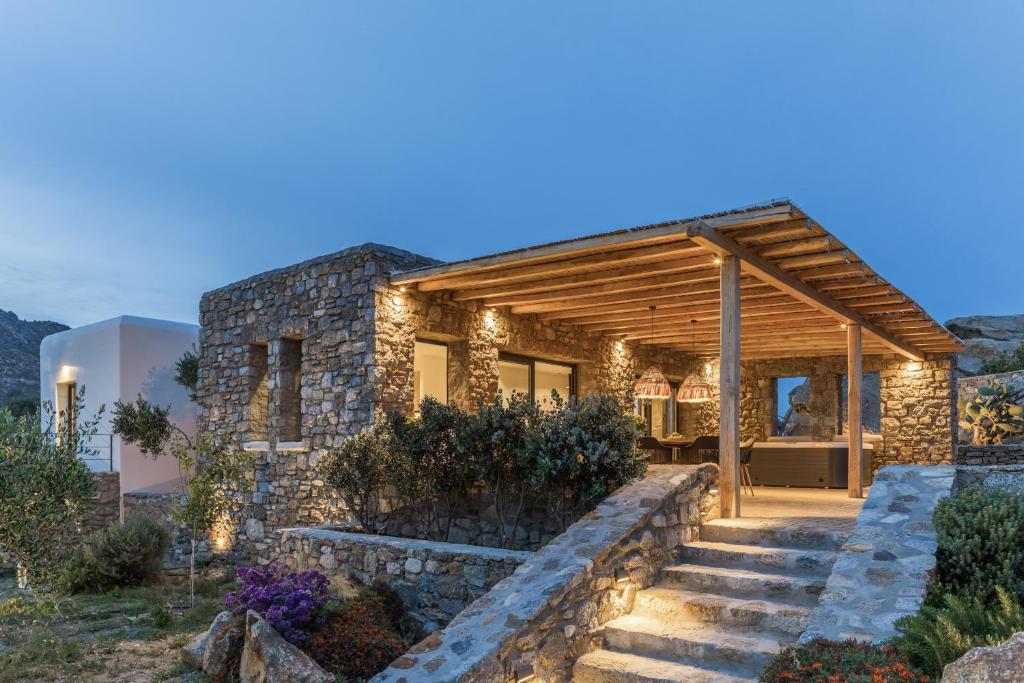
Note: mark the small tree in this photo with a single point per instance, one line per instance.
(46, 488)
(500, 439)
(150, 428)
(360, 469)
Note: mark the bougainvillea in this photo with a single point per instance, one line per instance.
(293, 602)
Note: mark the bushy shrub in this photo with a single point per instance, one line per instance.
(359, 637)
(936, 636)
(573, 455)
(293, 602)
(585, 450)
(1004, 361)
(980, 543)
(826, 661)
(117, 555)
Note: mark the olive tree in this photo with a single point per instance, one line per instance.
(46, 488)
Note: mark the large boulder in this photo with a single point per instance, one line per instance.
(224, 639)
(209, 650)
(269, 658)
(986, 336)
(1002, 664)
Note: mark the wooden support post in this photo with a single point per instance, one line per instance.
(854, 379)
(729, 425)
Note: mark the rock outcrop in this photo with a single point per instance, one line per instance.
(19, 354)
(269, 658)
(1002, 664)
(985, 336)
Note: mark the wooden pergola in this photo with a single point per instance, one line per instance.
(761, 282)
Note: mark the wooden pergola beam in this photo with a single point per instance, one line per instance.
(769, 272)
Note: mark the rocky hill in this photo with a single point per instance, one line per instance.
(985, 336)
(19, 354)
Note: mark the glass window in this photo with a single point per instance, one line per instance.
(430, 372)
(513, 376)
(792, 407)
(870, 403)
(550, 377)
(535, 378)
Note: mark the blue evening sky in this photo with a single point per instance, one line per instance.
(152, 151)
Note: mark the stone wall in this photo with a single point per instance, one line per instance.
(477, 335)
(546, 614)
(884, 567)
(990, 454)
(435, 580)
(337, 330)
(917, 402)
(1006, 477)
(323, 311)
(107, 501)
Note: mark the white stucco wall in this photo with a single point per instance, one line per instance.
(119, 359)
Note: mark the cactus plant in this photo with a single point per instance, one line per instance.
(993, 414)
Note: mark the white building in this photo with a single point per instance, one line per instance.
(118, 360)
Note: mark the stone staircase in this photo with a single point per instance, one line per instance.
(740, 594)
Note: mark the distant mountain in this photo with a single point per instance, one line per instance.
(19, 354)
(986, 336)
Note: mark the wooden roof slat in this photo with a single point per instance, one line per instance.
(772, 273)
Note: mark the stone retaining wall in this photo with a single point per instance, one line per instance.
(107, 501)
(883, 569)
(435, 580)
(545, 615)
(1008, 477)
(990, 454)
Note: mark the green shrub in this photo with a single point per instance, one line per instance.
(1004, 361)
(980, 543)
(586, 450)
(936, 636)
(846, 662)
(360, 470)
(118, 555)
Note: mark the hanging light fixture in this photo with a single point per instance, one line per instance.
(694, 389)
(652, 385)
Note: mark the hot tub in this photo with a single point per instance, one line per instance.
(821, 464)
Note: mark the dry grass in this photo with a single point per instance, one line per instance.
(131, 635)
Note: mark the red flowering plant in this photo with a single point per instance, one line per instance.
(827, 661)
(294, 603)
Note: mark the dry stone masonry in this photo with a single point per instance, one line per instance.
(883, 569)
(546, 614)
(435, 580)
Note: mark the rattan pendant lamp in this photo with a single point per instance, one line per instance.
(652, 385)
(694, 389)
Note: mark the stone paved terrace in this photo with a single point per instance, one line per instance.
(799, 509)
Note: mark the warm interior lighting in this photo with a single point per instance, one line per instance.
(694, 389)
(652, 385)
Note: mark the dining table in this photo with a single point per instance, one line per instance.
(677, 442)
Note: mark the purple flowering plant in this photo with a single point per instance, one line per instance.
(293, 602)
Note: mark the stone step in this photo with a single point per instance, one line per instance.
(786, 621)
(745, 583)
(691, 642)
(605, 666)
(804, 560)
(759, 532)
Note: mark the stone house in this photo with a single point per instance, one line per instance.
(295, 360)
